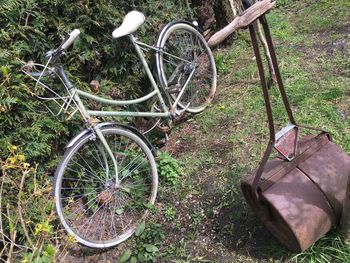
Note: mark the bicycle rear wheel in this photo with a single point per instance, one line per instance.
(186, 50)
(92, 207)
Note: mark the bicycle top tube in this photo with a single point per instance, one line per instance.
(79, 95)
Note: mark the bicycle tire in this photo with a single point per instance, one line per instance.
(183, 40)
(91, 207)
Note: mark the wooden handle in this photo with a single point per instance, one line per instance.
(243, 20)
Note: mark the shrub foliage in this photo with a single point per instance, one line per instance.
(30, 28)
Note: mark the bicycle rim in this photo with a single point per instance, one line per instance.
(93, 209)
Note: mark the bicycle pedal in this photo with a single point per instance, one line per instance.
(174, 90)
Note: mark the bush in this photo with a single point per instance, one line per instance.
(35, 27)
(29, 28)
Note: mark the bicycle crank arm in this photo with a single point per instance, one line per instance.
(180, 112)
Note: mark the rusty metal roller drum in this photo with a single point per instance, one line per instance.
(299, 195)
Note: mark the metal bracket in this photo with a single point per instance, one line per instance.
(286, 141)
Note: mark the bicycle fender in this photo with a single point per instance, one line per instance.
(77, 137)
(113, 124)
(159, 41)
(134, 130)
(167, 26)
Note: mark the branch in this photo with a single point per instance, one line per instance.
(243, 20)
(19, 206)
(267, 54)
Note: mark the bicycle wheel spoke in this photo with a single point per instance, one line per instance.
(103, 224)
(102, 213)
(91, 169)
(131, 163)
(130, 173)
(80, 208)
(112, 216)
(93, 175)
(76, 188)
(98, 159)
(124, 157)
(75, 179)
(83, 195)
(121, 215)
(87, 228)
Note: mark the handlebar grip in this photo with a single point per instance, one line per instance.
(72, 36)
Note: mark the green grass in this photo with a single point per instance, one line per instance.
(328, 249)
(232, 134)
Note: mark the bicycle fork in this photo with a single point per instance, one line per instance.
(110, 155)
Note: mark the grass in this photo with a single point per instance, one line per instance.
(328, 249)
(230, 136)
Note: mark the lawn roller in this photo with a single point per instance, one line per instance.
(299, 194)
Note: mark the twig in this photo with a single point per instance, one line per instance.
(12, 239)
(39, 250)
(1, 188)
(2, 251)
(267, 53)
(9, 238)
(20, 209)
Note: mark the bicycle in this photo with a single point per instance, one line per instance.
(107, 179)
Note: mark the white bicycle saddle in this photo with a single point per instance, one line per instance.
(131, 22)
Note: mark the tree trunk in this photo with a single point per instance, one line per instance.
(214, 14)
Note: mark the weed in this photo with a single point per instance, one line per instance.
(221, 64)
(148, 239)
(178, 253)
(26, 210)
(196, 219)
(282, 3)
(169, 169)
(170, 213)
(46, 256)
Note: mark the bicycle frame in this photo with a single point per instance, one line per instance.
(157, 91)
(167, 110)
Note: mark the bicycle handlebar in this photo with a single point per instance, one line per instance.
(70, 39)
(39, 74)
(52, 54)
(65, 44)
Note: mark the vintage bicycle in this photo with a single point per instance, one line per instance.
(107, 179)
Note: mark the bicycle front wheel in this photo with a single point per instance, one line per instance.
(185, 57)
(95, 210)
